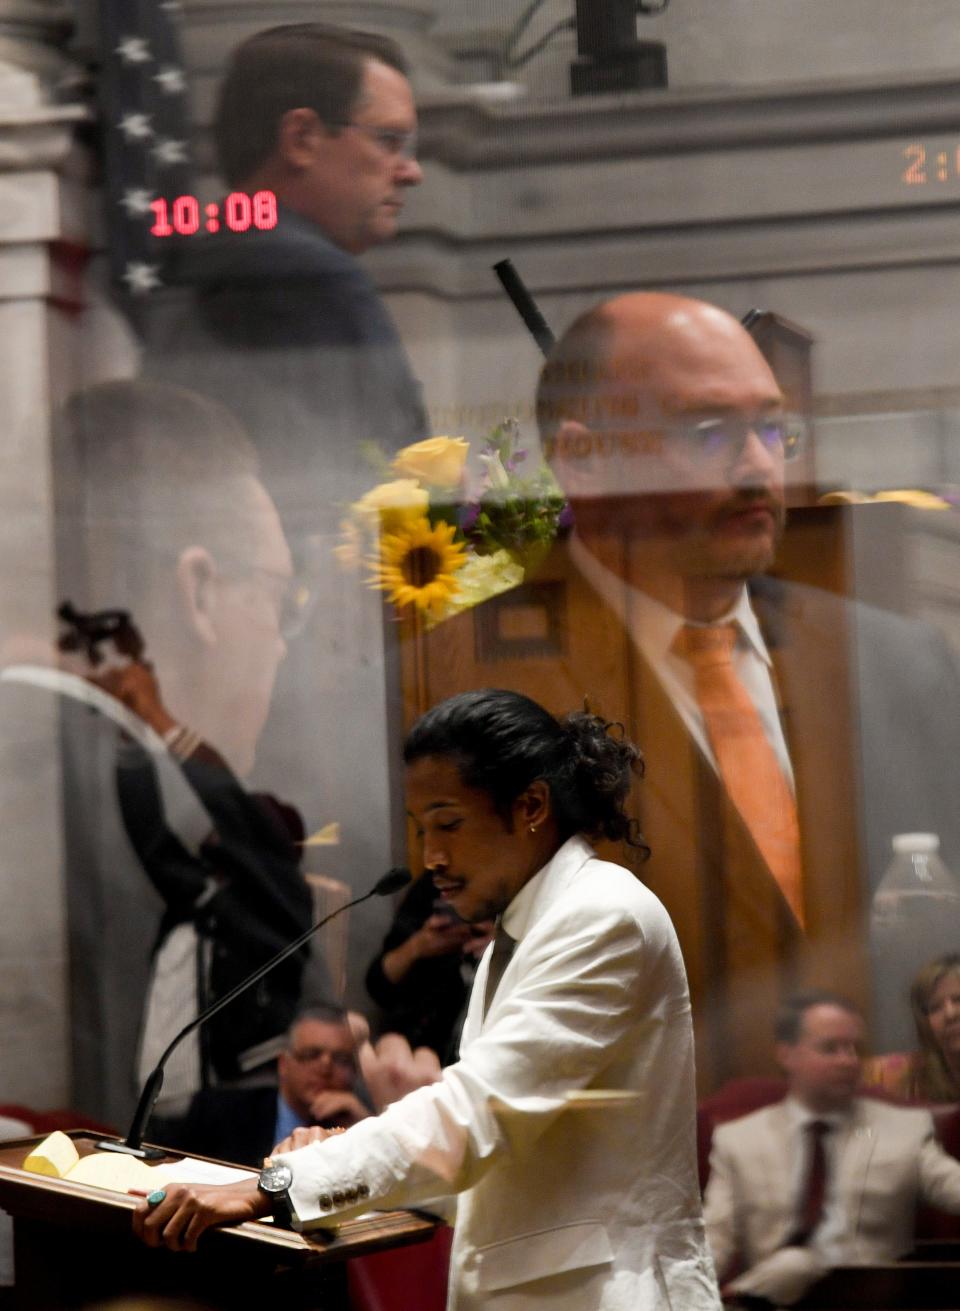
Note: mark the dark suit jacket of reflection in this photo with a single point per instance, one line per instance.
(288, 331)
(870, 705)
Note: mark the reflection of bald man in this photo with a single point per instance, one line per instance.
(663, 420)
(675, 461)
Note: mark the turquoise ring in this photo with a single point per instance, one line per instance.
(156, 1197)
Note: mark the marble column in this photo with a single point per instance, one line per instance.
(31, 33)
(41, 253)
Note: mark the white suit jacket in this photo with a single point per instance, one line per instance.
(572, 1210)
(886, 1160)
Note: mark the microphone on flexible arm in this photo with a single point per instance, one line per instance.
(392, 881)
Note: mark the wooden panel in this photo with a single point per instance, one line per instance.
(556, 641)
(788, 349)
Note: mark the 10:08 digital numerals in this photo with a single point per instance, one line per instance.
(240, 212)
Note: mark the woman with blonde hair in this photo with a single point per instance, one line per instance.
(932, 1072)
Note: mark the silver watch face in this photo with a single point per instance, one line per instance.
(275, 1179)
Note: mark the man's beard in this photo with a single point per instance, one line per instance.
(706, 551)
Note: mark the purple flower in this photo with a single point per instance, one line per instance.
(468, 515)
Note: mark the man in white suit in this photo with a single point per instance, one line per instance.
(765, 1211)
(566, 1127)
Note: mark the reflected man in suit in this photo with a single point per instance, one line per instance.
(823, 1178)
(787, 732)
(284, 325)
(161, 513)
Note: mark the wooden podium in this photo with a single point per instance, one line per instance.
(74, 1246)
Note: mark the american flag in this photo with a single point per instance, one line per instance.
(145, 120)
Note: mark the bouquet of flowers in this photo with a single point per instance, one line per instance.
(441, 536)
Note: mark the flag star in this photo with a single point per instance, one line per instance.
(172, 80)
(136, 127)
(168, 151)
(134, 50)
(136, 201)
(141, 278)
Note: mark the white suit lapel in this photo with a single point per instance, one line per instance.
(776, 1155)
(855, 1146)
(551, 880)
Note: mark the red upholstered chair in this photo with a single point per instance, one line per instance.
(933, 1224)
(729, 1102)
(47, 1121)
(402, 1278)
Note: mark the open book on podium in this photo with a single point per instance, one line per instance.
(73, 1241)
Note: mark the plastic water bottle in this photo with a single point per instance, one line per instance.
(914, 916)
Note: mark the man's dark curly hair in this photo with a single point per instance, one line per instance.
(502, 741)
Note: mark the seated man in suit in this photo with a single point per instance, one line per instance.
(824, 1177)
(328, 1074)
(317, 1079)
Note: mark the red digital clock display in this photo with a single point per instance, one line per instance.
(240, 212)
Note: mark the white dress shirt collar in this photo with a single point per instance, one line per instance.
(516, 918)
(653, 625)
(801, 1115)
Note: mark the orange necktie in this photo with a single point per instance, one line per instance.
(748, 764)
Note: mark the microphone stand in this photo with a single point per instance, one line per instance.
(392, 881)
(524, 304)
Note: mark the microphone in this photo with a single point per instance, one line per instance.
(392, 881)
(524, 304)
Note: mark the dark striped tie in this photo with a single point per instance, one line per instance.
(810, 1209)
(503, 946)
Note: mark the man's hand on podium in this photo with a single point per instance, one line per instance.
(188, 1210)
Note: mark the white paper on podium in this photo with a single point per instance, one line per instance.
(192, 1171)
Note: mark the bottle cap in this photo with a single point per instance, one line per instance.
(905, 843)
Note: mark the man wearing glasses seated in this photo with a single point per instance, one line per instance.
(317, 1083)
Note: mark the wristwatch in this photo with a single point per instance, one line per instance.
(274, 1183)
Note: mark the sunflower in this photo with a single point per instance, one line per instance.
(418, 565)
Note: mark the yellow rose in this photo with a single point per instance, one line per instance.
(438, 461)
(388, 506)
